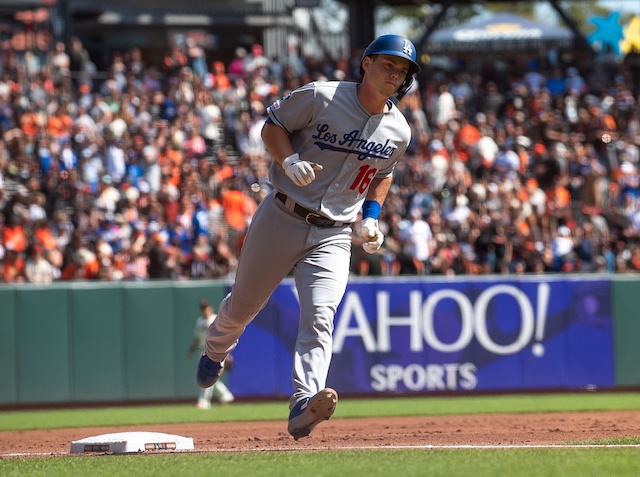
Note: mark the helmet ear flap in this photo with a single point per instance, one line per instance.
(405, 87)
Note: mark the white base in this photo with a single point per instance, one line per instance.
(123, 442)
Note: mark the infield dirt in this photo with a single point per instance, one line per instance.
(337, 433)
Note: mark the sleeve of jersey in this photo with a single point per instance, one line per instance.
(387, 171)
(295, 110)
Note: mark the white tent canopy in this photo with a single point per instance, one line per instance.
(501, 32)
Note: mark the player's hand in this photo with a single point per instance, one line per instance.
(372, 235)
(302, 173)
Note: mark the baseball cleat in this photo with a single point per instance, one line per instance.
(310, 412)
(208, 372)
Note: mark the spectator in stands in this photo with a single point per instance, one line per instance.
(445, 107)
(237, 68)
(37, 268)
(196, 58)
(418, 241)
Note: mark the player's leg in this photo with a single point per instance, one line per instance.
(275, 241)
(321, 280)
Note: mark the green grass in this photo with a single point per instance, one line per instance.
(269, 411)
(609, 441)
(561, 461)
(617, 462)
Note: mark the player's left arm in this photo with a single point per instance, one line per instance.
(376, 195)
(379, 189)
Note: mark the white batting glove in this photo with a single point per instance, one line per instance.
(300, 172)
(372, 235)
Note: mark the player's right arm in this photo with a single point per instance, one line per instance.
(277, 142)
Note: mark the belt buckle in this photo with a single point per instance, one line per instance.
(311, 215)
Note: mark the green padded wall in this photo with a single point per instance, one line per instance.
(43, 339)
(97, 337)
(8, 347)
(149, 352)
(100, 341)
(626, 304)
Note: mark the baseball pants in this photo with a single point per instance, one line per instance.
(277, 242)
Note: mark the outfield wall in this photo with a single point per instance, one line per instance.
(109, 342)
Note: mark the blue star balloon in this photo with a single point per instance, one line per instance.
(608, 32)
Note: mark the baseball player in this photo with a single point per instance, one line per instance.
(219, 389)
(335, 146)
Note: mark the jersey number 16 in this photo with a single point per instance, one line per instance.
(364, 178)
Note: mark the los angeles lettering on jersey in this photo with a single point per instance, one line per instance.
(352, 144)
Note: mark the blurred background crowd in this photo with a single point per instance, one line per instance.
(517, 165)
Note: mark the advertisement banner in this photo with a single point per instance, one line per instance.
(425, 335)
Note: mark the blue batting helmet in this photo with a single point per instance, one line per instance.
(395, 45)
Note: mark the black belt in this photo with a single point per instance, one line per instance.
(309, 216)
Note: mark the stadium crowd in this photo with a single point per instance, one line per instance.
(517, 165)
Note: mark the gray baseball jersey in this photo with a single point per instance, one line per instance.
(329, 125)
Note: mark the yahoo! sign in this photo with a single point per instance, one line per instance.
(429, 336)
(421, 320)
(425, 335)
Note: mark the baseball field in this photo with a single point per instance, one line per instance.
(563, 434)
